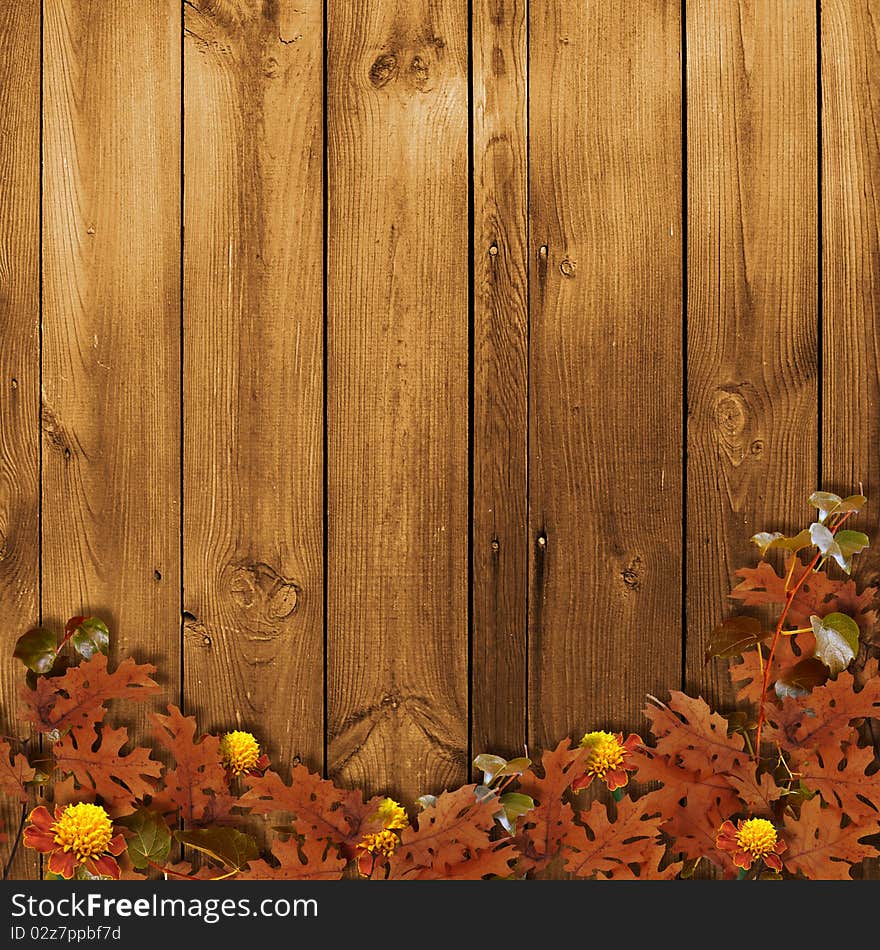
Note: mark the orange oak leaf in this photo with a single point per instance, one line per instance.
(746, 672)
(15, 772)
(694, 828)
(679, 783)
(820, 594)
(318, 809)
(310, 860)
(453, 840)
(198, 785)
(840, 774)
(824, 716)
(96, 762)
(822, 846)
(689, 733)
(77, 698)
(756, 790)
(628, 848)
(548, 832)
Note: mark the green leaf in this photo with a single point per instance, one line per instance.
(735, 635)
(229, 846)
(767, 540)
(483, 793)
(802, 678)
(426, 801)
(852, 503)
(831, 546)
(150, 839)
(90, 636)
(837, 640)
(516, 766)
(513, 806)
(826, 501)
(37, 650)
(490, 765)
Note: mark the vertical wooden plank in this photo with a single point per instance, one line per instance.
(606, 363)
(19, 359)
(752, 294)
(851, 257)
(111, 321)
(500, 373)
(253, 338)
(851, 264)
(397, 401)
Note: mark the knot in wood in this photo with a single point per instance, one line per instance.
(383, 70)
(567, 267)
(419, 72)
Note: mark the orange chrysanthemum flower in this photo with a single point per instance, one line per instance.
(750, 841)
(610, 759)
(78, 836)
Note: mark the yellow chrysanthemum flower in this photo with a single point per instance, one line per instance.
(382, 842)
(392, 814)
(84, 829)
(239, 751)
(609, 760)
(752, 840)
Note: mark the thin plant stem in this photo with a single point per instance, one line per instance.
(789, 600)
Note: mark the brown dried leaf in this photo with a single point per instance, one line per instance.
(96, 762)
(628, 848)
(198, 786)
(310, 860)
(453, 841)
(77, 698)
(839, 774)
(15, 772)
(821, 846)
(318, 808)
(549, 832)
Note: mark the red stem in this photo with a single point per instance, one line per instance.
(778, 632)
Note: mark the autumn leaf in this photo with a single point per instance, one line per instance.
(627, 848)
(231, 847)
(198, 785)
(318, 809)
(824, 717)
(77, 698)
(820, 594)
(756, 790)
(453, 840)
(548, 832)
(840, 775)
(822, 845)
(312, 859)
(96, 762)
(747, 674)
(15, 772)
(688, 732)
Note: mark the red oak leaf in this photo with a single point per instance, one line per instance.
(822, 845)
(309, 860)
(15, 772)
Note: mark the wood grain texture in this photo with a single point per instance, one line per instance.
(606, 285)
(851, 258)
(752, 295)
(397, 274)
(19, 360)
(851, 267)
(253, 338)
(500, 374)
(111, 321)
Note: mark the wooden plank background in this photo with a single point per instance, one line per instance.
(406, 377)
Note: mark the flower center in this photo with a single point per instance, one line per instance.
(84, 829)
(606, 753)
(382, 842)
(757, 836)
(239, 751)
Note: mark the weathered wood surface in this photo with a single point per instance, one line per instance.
(752, 262)
(500, 376)
(111, 324)
(397, 394)
(253, 369)
(19, 355)
(606, 362)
